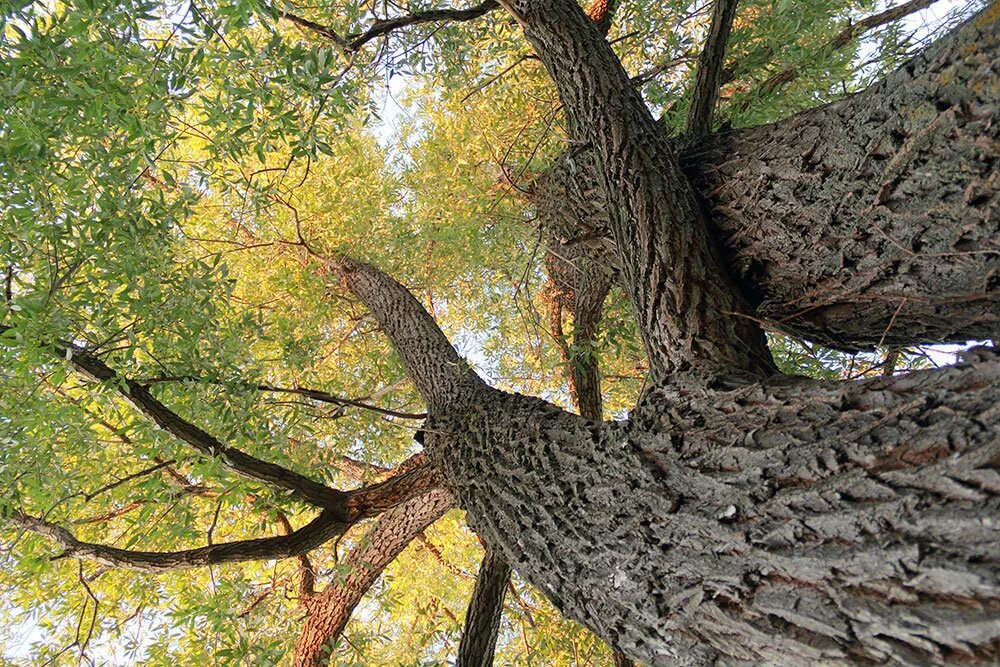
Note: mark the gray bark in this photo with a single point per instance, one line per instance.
(784, 521)
(736, 517)
(870, 221)
(689, 312)
(442, 377)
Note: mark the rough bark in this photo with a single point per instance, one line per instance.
(689, 311)
(330, 609)
(783, 521)
(870, 221)
(482, 619)
(442, 377)
(578, 284)
(768, 520)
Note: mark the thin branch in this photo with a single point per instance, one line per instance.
(848, 35)
(851, 32)
(710, 66)
(321, 529)
(313, 394)
(239, 462)
(325, 397)
(354, 42)
(482, 620)
(128, 478)
(307, 575)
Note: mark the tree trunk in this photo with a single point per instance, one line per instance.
(873, 220)
(783, 521)
(739, 516)
(688, 310)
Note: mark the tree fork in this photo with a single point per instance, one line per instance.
(689, 312)
(830, 221)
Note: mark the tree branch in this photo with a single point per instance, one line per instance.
(689, 311)
(482, 619)
(352, 43)
(415, 478)
(330, 609)
(845, 37)
(312, 394)
(853, 31)
(307, 575)
(885, 229)
(710, 65)
(321, 529)
(235, 460)
(441, 376)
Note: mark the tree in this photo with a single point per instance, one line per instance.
(200, 228)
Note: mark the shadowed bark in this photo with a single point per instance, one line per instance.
(770, 520)
(578, 284)
(482, 619)
(709, 74)
(689, 311)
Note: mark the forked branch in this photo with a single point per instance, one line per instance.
(354, 42)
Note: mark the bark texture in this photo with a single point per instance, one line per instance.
(579, 282)
(870, 221)
(688, 310)
(482, 619)
(442, 377)
(784, 521)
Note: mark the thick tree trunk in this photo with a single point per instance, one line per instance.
(782, 522)
(738, 516)
(870, 221)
